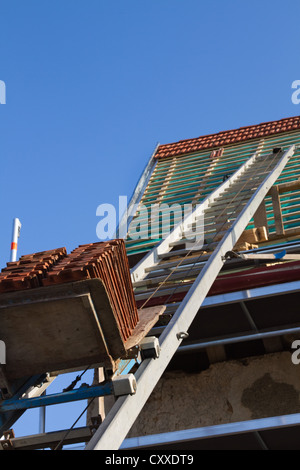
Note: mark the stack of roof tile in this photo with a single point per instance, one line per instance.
(106, 261)
(29, 271)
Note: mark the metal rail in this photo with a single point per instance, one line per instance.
(216, 431)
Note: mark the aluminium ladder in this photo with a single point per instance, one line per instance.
(225, 214)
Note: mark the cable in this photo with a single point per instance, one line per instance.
(75, 381)
(59, 445)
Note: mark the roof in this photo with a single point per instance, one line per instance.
(228, 137)
(190, 176)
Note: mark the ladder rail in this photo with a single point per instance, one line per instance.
(118, 422)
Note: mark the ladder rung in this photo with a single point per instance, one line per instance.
(229, 200)
(171, 264)
(193, 248)
(177, 274)
(198, 264)
(229, 209)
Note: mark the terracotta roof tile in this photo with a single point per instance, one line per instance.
(229, 137)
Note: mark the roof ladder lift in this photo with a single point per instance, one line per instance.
(224, 215)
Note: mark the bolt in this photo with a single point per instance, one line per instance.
(182, 335)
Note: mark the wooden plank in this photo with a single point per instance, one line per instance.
(148, 318)
(270, 256)
(286, 187)
(290, 232)
(253, 235)
(166, 183)
(96, 407)
(206, 177)
(216, 354)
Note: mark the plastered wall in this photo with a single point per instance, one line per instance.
(228, 391)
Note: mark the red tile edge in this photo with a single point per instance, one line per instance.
(229, 137)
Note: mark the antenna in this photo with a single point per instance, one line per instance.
(15, 235)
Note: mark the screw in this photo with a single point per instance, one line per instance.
(182, 335)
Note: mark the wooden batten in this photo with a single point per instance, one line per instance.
(286, 187)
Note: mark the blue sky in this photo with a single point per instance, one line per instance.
(92, 86)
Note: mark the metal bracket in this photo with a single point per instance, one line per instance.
(182, 335)
(231, 255)
(6, 443)
(124, 385)
(150, 348)
(96, 421)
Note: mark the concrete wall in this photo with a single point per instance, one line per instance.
(229, 391)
